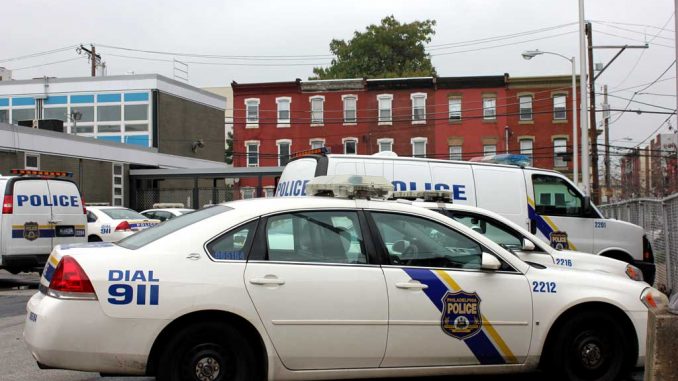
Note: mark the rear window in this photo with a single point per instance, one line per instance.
(149, 235)
(123, 214)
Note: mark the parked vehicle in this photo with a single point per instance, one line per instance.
(40, 209)
(166, 211)
(113, 223)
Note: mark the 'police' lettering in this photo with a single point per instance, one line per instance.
(462, 308)
(45, 200)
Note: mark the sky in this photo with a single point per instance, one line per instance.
(269, 36)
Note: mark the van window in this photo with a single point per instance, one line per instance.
(554, 196)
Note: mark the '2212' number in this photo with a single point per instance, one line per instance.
(549, 287)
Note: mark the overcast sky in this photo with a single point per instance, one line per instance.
(304, 27)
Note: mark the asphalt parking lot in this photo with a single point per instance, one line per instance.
(16, 363)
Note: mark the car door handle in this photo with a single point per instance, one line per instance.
(412, 285)
(267, 280)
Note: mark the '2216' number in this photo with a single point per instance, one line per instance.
(549, 287)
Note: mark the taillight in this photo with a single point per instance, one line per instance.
(82, 201)
(648, 256)
(123, 227)
(8, 204)
(69, 281)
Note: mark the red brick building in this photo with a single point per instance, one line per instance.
(437, 117)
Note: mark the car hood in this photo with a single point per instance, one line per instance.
(576, 260)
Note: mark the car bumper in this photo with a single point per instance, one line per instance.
(639, 320)
(77, 335)
(648, 269)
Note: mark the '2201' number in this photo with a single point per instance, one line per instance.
(600, 224)
(549, 287)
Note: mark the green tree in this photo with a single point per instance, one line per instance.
(228, 154)
(389, 50)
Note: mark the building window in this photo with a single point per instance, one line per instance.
(252, 106)
(269, 191)
(525, 107)
(317, 143)
(385, 110)
(418, 147)
(283, 111)
(455, 153)
(559, 109)
(317, 106)
(418, 107)
(559, 150)
(350, 146)
(385, 144)
(252, 149)
(489, 149)
(118, 185)
(283, 151)
(455, 108)
(350, 108)
(31, 161)
(247, 193)
(489, 108)
(526, 148)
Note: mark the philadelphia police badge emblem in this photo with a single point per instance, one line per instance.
(559, 240)
(461, 314)
(31, 231)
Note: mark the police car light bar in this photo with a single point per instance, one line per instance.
(429, 196)
(506, 158)
(34, 172)
(349, 186)
(308, 152)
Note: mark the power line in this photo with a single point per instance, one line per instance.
(639, 102)
(497, 38)
(633, 39)
(46, 64)
(632, 24)
(39, 54)
(213, 63)
(634, 31)
(504, 45)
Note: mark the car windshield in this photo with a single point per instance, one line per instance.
(149, 235)
(123, 214)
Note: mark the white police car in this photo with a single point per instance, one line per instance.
(319, 288)
(113, 223)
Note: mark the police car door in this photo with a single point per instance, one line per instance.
(322, 301)
(556, 212)
(30, 218)
(68, 216)
(443, 309)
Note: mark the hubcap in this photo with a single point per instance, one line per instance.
(207, 369)
(591, 355)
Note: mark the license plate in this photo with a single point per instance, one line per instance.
(65, 231)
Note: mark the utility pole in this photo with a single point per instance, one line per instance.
(94, 58)
(584, 103)
(606, 119)
(593, 128)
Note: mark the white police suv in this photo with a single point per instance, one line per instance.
(323, 287)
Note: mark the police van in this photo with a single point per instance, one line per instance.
(40, 209)
(545, 202)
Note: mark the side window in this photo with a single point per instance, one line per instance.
(497, 232)
(232, 245)
(162, 216)
(556, 197)
(413, 241)
(91, 217)
(325, 237)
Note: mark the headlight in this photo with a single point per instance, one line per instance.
(654, 299)
(634, 273)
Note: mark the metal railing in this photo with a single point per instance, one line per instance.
(659, 219)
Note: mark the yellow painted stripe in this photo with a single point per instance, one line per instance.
(53, 261)
(552, 224)
(503, 347)
(530, 201)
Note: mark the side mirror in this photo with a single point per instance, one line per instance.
(587, 204)
(490, 262)
(528, 245)
(399, 246)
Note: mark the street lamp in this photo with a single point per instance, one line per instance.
(528, 55)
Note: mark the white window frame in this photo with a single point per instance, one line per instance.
(284, 123)
(385, 121)
(524, 101)
(562, 109)
(418, 140)
(247, 152)
(527, 151)
(486, 114)
(118, 200)
(315, 122)
(316, 140)
(381, 141)
(487, 151)
(244, 190)
(350, 139)
(456, 155)
(413, 97)
(347, 121)
(36, 155)
(452, 113)
(254, 122)
(278, 143)
(269, 191)
(559, 162)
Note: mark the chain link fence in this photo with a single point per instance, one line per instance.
(145, 198)
(659, 219)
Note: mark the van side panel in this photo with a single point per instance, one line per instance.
(456, 178)
(295, 176)
(502, 190)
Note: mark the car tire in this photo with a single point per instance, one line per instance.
(93, 238)
(207, 352)
(590, 346)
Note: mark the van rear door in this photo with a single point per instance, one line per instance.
(295, 176)
(27, 229)
(502, 190)
(68, 216)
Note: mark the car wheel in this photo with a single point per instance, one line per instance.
(93, 238)
(207, 352)
(590, 347)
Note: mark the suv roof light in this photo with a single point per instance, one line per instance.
(429, 196)
(35, 172)
(505, 158)
(349, 186)
(312, 151)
